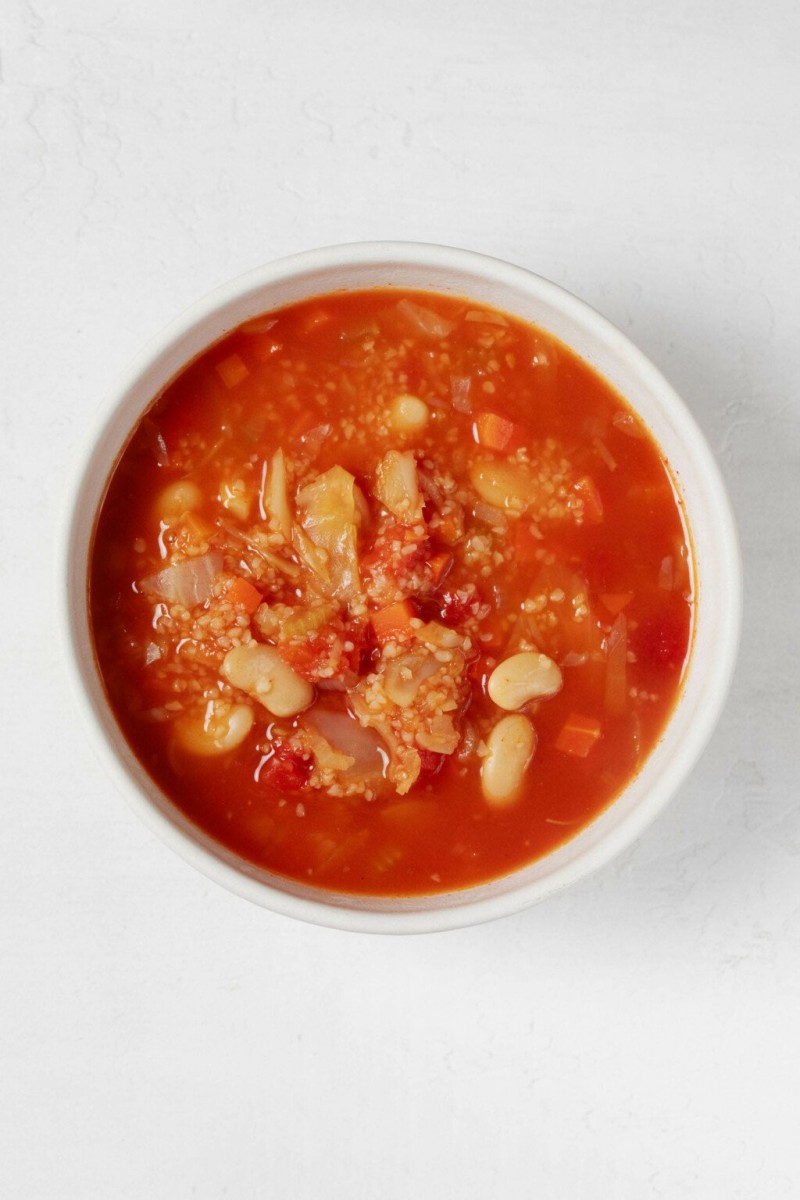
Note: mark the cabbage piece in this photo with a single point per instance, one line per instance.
(397, 486)
(326, 510)
(187, 583)
(363, 750)
(274, 499)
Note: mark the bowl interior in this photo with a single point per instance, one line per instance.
(610, 353)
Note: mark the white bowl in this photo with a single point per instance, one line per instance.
(718, 599)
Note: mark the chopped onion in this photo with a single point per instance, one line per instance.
(430, 487)
(344, 735)
(666, 576)
(187, 583)
(397, 487)
(342, 684)
(441, 738)
(259, 325)
(626, 423)
(489, 514)
(155, 440)
(425, 320)
(604, 452)
(273, 498)
(617, 666)
(460, 386)
(405, 675)
(314, 439)
(485, 318)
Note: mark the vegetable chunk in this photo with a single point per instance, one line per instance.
(327, 514)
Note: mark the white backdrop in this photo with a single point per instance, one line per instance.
(636, 1037)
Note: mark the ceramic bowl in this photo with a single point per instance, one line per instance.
(512, 289)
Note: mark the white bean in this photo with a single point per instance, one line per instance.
(177, 498)
(509, 749)
(218, 729)
(234, 496)
(523, 677)
(260, 671)
(408, 414)
(504, 485)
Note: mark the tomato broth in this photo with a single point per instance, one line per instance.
(391, 593)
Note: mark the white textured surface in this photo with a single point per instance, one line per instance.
(635, 1037)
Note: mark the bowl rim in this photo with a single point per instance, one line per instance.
(460, 908)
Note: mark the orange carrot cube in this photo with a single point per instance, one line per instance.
(578, 735)
(493, 431)
(393, 623)
(244, 595)
(232, 370)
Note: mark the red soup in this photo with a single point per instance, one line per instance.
(390, 593)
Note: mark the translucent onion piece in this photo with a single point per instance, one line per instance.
(617, 666)
(187, 583)
(489, 514)
(626, 423)
(425, 320)
(604, 452)
(404, 676)
(259, 325)
(344, 735)
(460, 387)
(274, 498)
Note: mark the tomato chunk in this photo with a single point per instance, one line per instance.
(432, 762)
(285, 769)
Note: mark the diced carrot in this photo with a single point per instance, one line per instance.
(493, 431)
(616, 601)
(592, 500)
(232, 370)
(448, 529)
(393, 623)
(244, 594)
(578, 735)
(440, 564)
